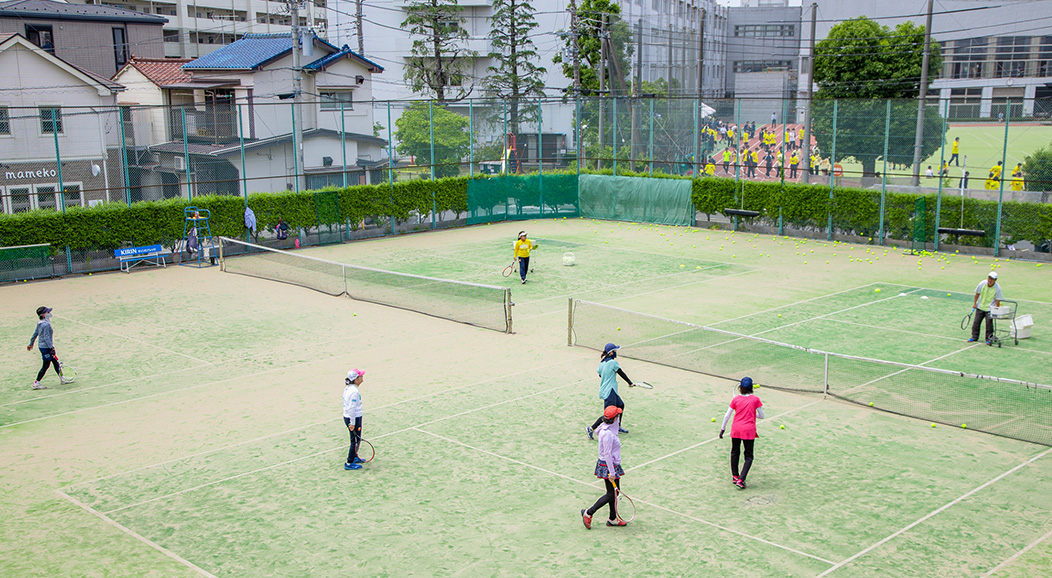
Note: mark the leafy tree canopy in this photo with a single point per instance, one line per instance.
(450, 132)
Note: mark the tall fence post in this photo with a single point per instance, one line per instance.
(244, 178)
(832, 170)
(1004, 170)
(737, 162)
(938, 196)
(613, 135)
(186, 157)
(124, 157)
(431, 126)
(540, 157)
(650, 147)
(61, 185)
(295, 151)
(580, 152)
(343, 142)
(884, 170)
(390, 164)
(471, 137)
(696, 162)
(781, 168)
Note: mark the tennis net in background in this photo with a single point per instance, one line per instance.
(26, 262)
(481, 305)
(999, 406)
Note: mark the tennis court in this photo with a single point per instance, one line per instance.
(203, 434)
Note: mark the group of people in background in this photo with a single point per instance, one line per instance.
(1015, 182)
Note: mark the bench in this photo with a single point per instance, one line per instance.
(961, 232)
(741, 213)
(132, 256)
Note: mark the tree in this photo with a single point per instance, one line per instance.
(413, 133)
(589, 34)
(1037, 170)
(437, 58)
(869, 64)
(514, 75)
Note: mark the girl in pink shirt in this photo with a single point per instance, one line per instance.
(745, 408)
(608, 467)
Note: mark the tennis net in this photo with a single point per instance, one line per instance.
(1005, 407)
(26, 262)
(485, 306)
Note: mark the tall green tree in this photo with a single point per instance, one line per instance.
(865, 64)
(514, 74)
(589, 34)
(413, 133)
(438, 58)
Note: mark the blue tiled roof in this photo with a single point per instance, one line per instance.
(323, 62)
(251, 51)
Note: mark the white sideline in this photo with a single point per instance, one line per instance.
(794, 304)
(636, 499)
(140, 341)
(1013, 557)
(842, 563)
(137, 536)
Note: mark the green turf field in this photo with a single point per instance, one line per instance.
(203, 435)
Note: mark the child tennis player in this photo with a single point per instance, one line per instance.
(46, 345)
(608, 371)
(352, 416)
(522, 248)
(608, 467)
(745, 408)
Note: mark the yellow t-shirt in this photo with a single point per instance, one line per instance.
(756, 157)
(727, 156)
(1017, 183)
(956, 148)
(523, 246)
(793, 160)
(710, 169)
(996, 170)
(801, 133)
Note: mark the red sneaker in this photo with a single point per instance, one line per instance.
(586, 519)
(616, 523)
(734, 480)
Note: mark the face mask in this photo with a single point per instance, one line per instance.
(47, 316)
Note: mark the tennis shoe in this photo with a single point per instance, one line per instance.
(616, 523)
(735, 480)
(352, 466)
(740, 483)
(586, 519)
(38, 385)
(972, 340)
(523, 281)
(358, 460)
(587, 430)
(622, 430)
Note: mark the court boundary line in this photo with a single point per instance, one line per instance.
(100, 329)
(932, 514)
(590, 485)
(136, 535)
(1016, 556)
(794, 303)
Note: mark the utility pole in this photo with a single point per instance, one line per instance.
(637, 91)
(358, 23)
(602, 84)
(297, 92)
(918, 143)
(810, 95)
(576, 77)
(699, 86)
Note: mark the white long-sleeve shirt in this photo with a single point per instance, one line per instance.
(352, 402)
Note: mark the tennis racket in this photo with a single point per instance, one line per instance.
(365, 451)
(66, 373)
(509, 269)
(623, 505)
(643, 384)
(967, 321)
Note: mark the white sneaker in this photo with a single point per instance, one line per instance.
(38, 385)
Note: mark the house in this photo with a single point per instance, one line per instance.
(243, 94)
(53, 136)
(94, 37)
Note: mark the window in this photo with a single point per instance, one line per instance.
(46, 197)
(5, 121)
(968, 58)
(1044, 57)
(19, 200)
(120, 47)
(42, 36)
(761, 65)
(764, 30)
(50, 120)
(171, 36)
(1012, 55)
(331, 100)
(73, 196)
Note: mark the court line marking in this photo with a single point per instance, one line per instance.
(590, 485)
(1013, 557)
(969, 293)
(140, 341)
(794, 304)
(859, 306)
(137, 536)
(932, 514)
(340, 447)
(928, 335)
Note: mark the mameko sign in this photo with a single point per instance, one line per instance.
(37, 174)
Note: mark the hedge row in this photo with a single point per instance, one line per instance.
(857, 211)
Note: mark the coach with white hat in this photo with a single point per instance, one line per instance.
(986, 293)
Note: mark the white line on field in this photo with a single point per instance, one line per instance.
(930, 515)
(146, 343)
(565, 477)
(859, 306)
(137, 536)
(793, 304)
(1013, 557)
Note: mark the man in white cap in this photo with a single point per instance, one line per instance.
(986, 293)
(352, 416)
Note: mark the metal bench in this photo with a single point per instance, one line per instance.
(129, 257)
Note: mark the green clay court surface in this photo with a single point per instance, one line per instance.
(203, 434)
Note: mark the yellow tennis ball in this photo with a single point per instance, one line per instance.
(781, 427)
(932, 425)
(619, 329)
(713, 420)
(871, 404)
(948, 295)
(355, 314)
(779, 314)
(964, 425)
(876, 290)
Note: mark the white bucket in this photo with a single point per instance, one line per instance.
(569, 259)
(1021, 327)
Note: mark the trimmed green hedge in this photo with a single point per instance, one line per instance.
(857, 211)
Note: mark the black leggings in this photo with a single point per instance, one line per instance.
(49, 359)
(608, 498)
(356, 437)
(736, 444)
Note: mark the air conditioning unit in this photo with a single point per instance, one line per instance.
(179, 163)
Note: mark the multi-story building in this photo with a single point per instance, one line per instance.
(994, 55)
(763, 49)
(97, 38)
(198, 27)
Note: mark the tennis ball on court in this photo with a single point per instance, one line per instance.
(713, 420)
(932, 425)
(805, 262)
(871, 404)
(964, 425)
(619, 329)
(682, 265)
(876, 290)
(947, 294)
(355, 315)
(781, 427)
(827, 262)
(779, 314)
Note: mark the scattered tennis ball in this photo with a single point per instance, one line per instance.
(682, 265)
(713, 420)
(781, 427)
(827, 262)
(355, 315)
(805, 262)
(932, 425)
(948, 295)
(871, 404)
(779, 314)
(619, 329)
(964, 425)
(876, 290)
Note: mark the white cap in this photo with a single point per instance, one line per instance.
(992, 275)
(354, 374)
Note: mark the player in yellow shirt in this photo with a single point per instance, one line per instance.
(710, 168)
(1017, 181)
(755, 158)
(522, 248)
(995, 170)
(794, 162)
(955, 151)
(727, 154)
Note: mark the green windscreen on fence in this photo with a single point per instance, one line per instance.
(26, 262)
(659, 201)
(513, 198)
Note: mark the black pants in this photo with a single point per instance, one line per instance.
(792, 171)
(736, 444)
(954, 160)
(49, 359)
(607, 499)
(356, 437)
(611, 400)
(524, 267)
(979, 316)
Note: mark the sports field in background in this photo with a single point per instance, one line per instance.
(203, 435)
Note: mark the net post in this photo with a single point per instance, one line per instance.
(222, 263)
(569, 322)
(507, 308)
(825, 380)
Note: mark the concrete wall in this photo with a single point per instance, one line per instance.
(90, 44)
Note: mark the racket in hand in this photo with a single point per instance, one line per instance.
(642, 384)
(509, 269)
(623, 505)
(66, 373)
(366, 453)
(966, 323)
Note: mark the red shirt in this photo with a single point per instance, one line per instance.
(744, 424)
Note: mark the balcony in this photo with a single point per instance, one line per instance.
(213, 126)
